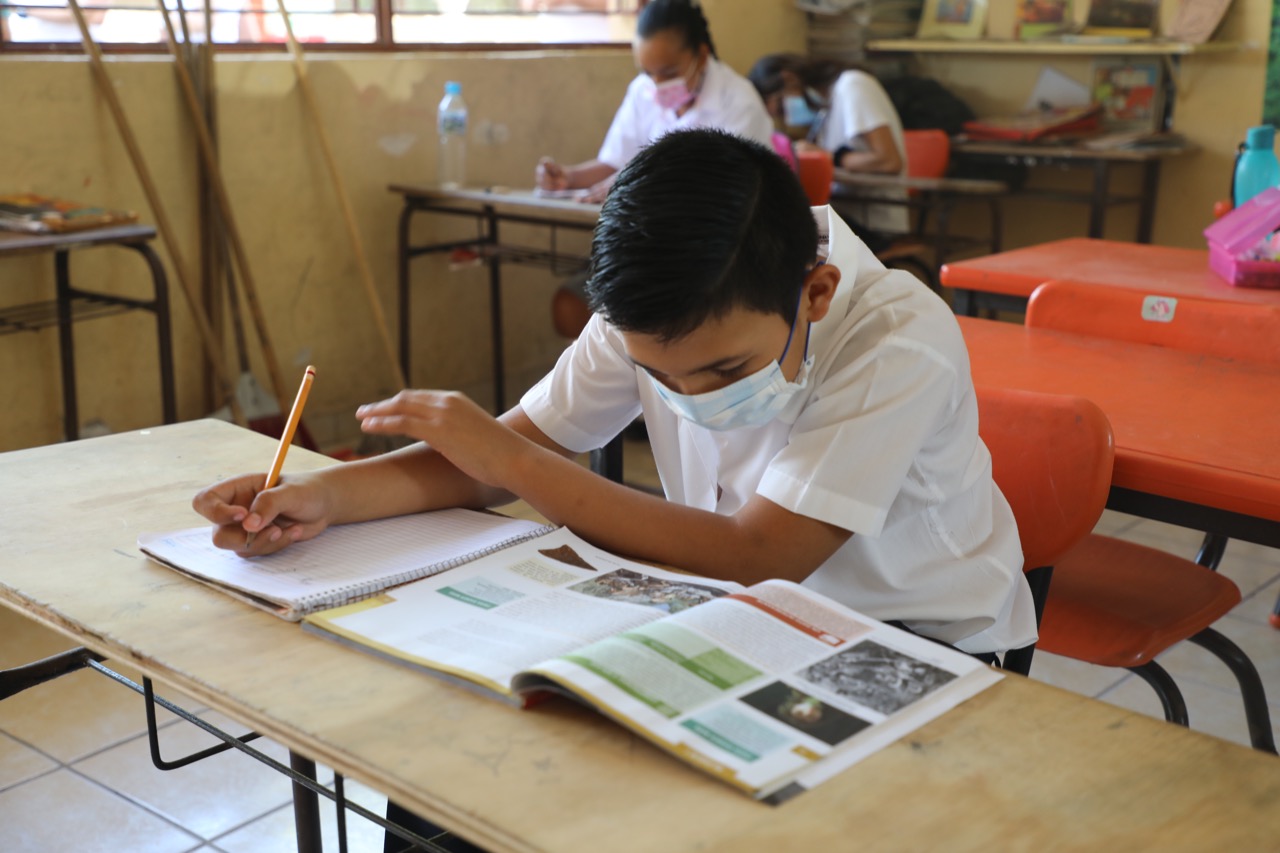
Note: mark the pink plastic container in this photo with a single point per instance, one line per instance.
(1238, 232)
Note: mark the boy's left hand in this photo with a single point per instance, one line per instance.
(465, 434)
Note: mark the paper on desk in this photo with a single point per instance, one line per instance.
(1054, 89)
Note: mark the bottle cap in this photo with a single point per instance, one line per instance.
(455, 88)
(1263, 136)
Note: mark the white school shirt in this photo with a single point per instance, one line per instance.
(726, 101)
(858, 105)
(883, 442)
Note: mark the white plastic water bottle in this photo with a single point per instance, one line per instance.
(451, 122)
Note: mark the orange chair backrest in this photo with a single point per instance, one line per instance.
(1240, 330)
(928, 153)
(1051, 456)
(816, 172)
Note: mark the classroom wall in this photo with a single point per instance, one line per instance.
(379, 108)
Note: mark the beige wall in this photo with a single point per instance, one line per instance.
(379, 109)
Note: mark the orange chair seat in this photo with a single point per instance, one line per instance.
(1116, 603)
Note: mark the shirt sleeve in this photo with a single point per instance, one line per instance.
(622, 142)
(590, 395)
(859, 105)
(854, 444)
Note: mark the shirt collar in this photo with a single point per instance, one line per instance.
(840, 247)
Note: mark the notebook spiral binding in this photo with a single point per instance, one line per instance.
(352, 593)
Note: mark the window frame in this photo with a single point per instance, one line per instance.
(383, 43)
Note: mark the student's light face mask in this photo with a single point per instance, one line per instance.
(751, 401)
(674, 93)
(796, 111)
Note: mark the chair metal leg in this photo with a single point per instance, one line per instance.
(1211, 550)
(1175, 707)
(1251, 689)
(1019, 660)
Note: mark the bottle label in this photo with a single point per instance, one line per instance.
(453, 122)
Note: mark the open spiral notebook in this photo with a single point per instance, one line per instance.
(344, 564)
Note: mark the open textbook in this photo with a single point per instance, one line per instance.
(344, 564)
(771, 688)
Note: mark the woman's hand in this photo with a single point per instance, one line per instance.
(253, 522)
(550, 175)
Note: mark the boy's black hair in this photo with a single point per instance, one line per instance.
(683, 15)
(699, 223)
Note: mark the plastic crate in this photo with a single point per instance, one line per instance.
(1239, 231)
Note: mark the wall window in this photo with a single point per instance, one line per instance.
(32, 25)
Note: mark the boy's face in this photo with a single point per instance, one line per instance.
(719, 352)
(723, 350)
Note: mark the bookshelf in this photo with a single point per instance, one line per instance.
(1153, 47)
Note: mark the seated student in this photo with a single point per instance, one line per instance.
(848, 114)
(681, 84)
(811, 414)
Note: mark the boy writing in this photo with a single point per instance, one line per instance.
(811, 413)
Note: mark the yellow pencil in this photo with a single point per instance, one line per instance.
(286, 437)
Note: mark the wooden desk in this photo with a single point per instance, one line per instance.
(1100, 162)
(73, 304)
(1006, 280)
(1178, 459)
(490, 208)
(1021, 765)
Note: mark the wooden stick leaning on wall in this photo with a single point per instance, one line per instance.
(348, 215)
(210, 158)
(212, 349)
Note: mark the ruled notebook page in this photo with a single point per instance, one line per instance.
(347, 562)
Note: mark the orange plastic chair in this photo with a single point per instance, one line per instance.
(928, 153)
(1205, 326)
(816, 171)
(1099, 599)
(1051, 456)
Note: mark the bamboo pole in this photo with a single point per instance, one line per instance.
(348, 215)
(210, 158)
(211, 346)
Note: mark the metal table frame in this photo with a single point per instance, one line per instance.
(73, 304)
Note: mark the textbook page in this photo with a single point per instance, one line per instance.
(488, 620)
(344, 563)
(773, 689)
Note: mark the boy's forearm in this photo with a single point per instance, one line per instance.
(634, 524)
(414, 479)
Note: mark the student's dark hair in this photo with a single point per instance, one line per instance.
(683, 15)
(699, 223)
(767, 74)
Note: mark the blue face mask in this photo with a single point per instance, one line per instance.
(796, 111)
(750, 401)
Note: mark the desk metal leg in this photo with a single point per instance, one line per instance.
(1147, 203)
(495, 314)
(1101, 194)
(402, 284)
(66, 346)
(164, 335)
(306, 806)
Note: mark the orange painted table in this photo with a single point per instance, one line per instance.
(1005, 280)
(1178, 458)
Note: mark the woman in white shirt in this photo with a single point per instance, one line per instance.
(846, 112)
(681, 84)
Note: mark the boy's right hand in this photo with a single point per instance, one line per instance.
(550, 175)
(296, 509)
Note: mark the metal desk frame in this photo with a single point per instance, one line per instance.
(73, 305)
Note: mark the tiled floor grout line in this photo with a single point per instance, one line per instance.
(139, 805)
(40, 775)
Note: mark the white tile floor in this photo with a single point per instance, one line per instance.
(75, 773)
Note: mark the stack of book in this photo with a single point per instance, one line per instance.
(840, 29)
